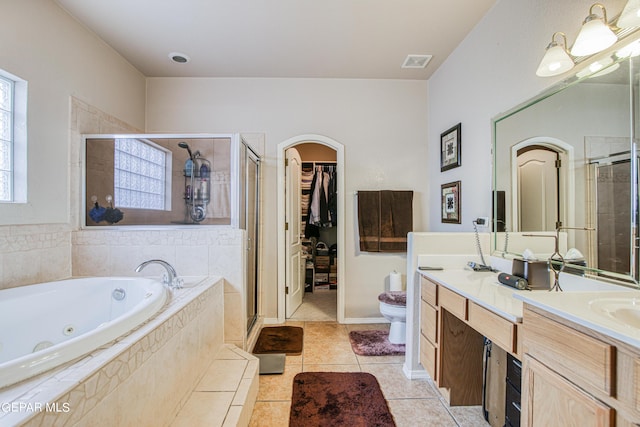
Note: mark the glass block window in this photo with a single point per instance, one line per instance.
(6, 139)
(140, 178)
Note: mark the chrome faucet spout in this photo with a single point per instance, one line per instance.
(170, 278)
(556, 260)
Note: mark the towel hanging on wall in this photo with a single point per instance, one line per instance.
(384, 219)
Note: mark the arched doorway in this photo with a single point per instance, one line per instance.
(282, 213)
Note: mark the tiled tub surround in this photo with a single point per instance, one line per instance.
(142, 378)
(34, 254)
(194, 250)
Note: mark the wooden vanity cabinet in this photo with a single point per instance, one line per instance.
(548, 399)
(575, 376)
(429, 327)
(452, 330)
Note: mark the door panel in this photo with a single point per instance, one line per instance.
(294, 278)
(538, 190)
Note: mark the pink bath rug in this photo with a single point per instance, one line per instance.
(374, 343)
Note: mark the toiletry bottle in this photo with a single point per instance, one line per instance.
(204, 171)
(188, 167)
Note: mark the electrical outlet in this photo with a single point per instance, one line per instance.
(482, 221)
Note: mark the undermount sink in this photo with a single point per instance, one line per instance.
(623, 310)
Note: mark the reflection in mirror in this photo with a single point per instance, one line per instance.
(568, 159)
(158, 181)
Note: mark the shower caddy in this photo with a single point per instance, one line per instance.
(197, 187)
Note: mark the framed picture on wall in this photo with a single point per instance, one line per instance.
(451, 202)
(450, 148)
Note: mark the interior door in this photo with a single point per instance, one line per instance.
(538, 196)
(294, 279)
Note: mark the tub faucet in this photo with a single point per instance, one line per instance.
(170, 278)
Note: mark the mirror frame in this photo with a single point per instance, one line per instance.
(578, 76)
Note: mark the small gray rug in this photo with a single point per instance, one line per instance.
(374, 343)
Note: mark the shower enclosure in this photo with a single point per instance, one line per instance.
(249, 214)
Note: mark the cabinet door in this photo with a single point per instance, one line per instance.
(550, 400)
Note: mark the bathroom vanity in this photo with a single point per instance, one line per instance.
(457, 309)
(581, 366)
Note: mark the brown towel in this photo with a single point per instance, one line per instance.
(384, 219)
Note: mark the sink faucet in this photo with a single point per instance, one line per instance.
(170, 278)
(556, 260)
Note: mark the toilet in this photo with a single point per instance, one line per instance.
(393, 306)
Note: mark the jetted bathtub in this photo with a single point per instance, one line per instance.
(45, 325)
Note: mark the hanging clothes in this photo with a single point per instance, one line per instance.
(322, 201)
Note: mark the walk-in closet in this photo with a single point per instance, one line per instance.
(318, 228)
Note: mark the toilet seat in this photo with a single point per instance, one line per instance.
(397, 298)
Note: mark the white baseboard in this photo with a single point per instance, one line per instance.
(349, 320)
(354, 320)
(416, 374)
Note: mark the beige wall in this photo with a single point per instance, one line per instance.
(381, 123)
(490, 72)
(59, 58)
(313, 152)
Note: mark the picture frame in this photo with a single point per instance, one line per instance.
(450, 148)
(451, 201)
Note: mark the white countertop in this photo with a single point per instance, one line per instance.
(574, 304)
(482, 288)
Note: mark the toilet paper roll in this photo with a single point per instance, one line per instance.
(395, 281)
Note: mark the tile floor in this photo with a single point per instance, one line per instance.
(317, 306)
(326, 348)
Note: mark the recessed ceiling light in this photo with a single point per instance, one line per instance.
(416, 61)
(178, 57)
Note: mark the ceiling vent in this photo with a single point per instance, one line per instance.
(416, 61)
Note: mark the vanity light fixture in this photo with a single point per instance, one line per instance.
(629, 51)
(630, 16)
(599, 68)
(595, 34)
(556, 59)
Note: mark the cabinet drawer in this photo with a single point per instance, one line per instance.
(512, 406)
(429, 291)
(429, 321)
(579, 357)
(453, 303)
(428, 354)
(514, 372)
(497, 329)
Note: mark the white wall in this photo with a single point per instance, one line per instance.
(381, 123)
(491, 71)
(59, 58)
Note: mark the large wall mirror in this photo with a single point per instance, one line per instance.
(157, 180)
(568, 158)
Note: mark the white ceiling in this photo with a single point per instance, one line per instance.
(281, 38)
